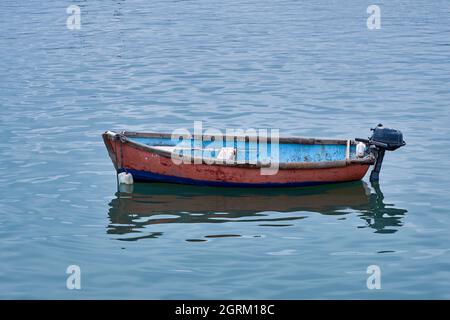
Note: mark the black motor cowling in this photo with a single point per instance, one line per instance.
(389, 139)
(381, 140)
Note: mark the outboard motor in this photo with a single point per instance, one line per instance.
(381, 140)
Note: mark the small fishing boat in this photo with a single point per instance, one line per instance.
(247, 161)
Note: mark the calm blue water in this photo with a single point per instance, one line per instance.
(308, 69)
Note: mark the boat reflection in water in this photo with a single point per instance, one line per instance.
(140, 205)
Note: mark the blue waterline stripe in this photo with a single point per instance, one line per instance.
(146, 176)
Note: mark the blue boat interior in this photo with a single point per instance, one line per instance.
(253, 151)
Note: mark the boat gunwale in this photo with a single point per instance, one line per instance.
(247, 138)
(368, 160)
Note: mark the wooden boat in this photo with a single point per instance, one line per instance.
(201, 161)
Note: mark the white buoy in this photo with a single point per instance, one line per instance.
(360, 150)
(125, 178)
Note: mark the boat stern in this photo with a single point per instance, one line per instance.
(383, 139)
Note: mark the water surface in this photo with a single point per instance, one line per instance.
(308, 69)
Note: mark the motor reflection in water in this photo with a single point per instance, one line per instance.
(140, 205)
